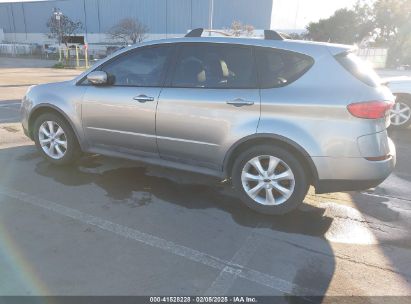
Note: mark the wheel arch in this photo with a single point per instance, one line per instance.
(279, 140)
(49, 108)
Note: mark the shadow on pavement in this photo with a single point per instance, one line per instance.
(390, 205)
(121, 185)
(140, 187)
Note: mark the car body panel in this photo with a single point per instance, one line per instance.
(64, 97)
(197, 125)
(113, 119)
(374, 145)
(318, 119)
(344, 168)
(195, 129)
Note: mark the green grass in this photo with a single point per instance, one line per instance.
(59, 65)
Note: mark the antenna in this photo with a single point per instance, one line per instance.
(272, 35)
(195, 33)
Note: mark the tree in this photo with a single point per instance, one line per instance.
(238, 29)
(392, 20)
(62, 27)
(345, 26)
(387, 24)
(297, 36)
(128, 30)
(390, 16)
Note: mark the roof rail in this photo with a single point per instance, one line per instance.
(268, 34)
(272, 35)
(195, 33)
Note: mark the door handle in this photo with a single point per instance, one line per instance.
(239, 102)
(143, 98)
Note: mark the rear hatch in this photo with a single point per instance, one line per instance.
(377, 108)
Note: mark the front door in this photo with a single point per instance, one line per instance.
(121, 116)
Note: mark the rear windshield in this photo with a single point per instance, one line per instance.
(278, 68)
(359, 69)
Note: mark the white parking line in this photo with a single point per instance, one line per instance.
(226, 278)
(162, 244)
(386, 196)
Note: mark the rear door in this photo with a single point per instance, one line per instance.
(210, 101)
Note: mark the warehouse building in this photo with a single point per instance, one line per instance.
(25, 22)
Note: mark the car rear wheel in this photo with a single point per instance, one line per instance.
(270, 179)
(55, 139)
(401, 113)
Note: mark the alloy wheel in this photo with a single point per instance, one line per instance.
(52, 139)
(400, 114)
(268, 180)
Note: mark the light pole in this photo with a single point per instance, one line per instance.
(57, 14)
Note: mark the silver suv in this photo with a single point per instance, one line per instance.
(274, 115)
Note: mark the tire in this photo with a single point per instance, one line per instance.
(403, 103)
(70, 152)
(296, 182)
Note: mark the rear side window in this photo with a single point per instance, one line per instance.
(206, 65)
(359, 69)
(279, 68)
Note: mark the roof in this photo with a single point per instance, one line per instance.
(302, 46)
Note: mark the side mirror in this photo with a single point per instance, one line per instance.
(98, 78)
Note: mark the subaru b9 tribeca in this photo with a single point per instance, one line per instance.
(274, 115)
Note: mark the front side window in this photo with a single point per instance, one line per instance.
(142, 67)
(278, 68)
(206, 65)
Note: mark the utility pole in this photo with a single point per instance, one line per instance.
(297, 11)
(14, 30)
(210, 17)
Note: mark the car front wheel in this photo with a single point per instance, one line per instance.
(270, 179)
(55, 139)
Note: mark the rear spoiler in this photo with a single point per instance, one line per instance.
(341, 49)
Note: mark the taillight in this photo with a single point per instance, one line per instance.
(370, 109)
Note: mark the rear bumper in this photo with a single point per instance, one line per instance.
(352, 174)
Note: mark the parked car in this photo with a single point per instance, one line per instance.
(274, 115)
(401, 112)
(50, 51)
